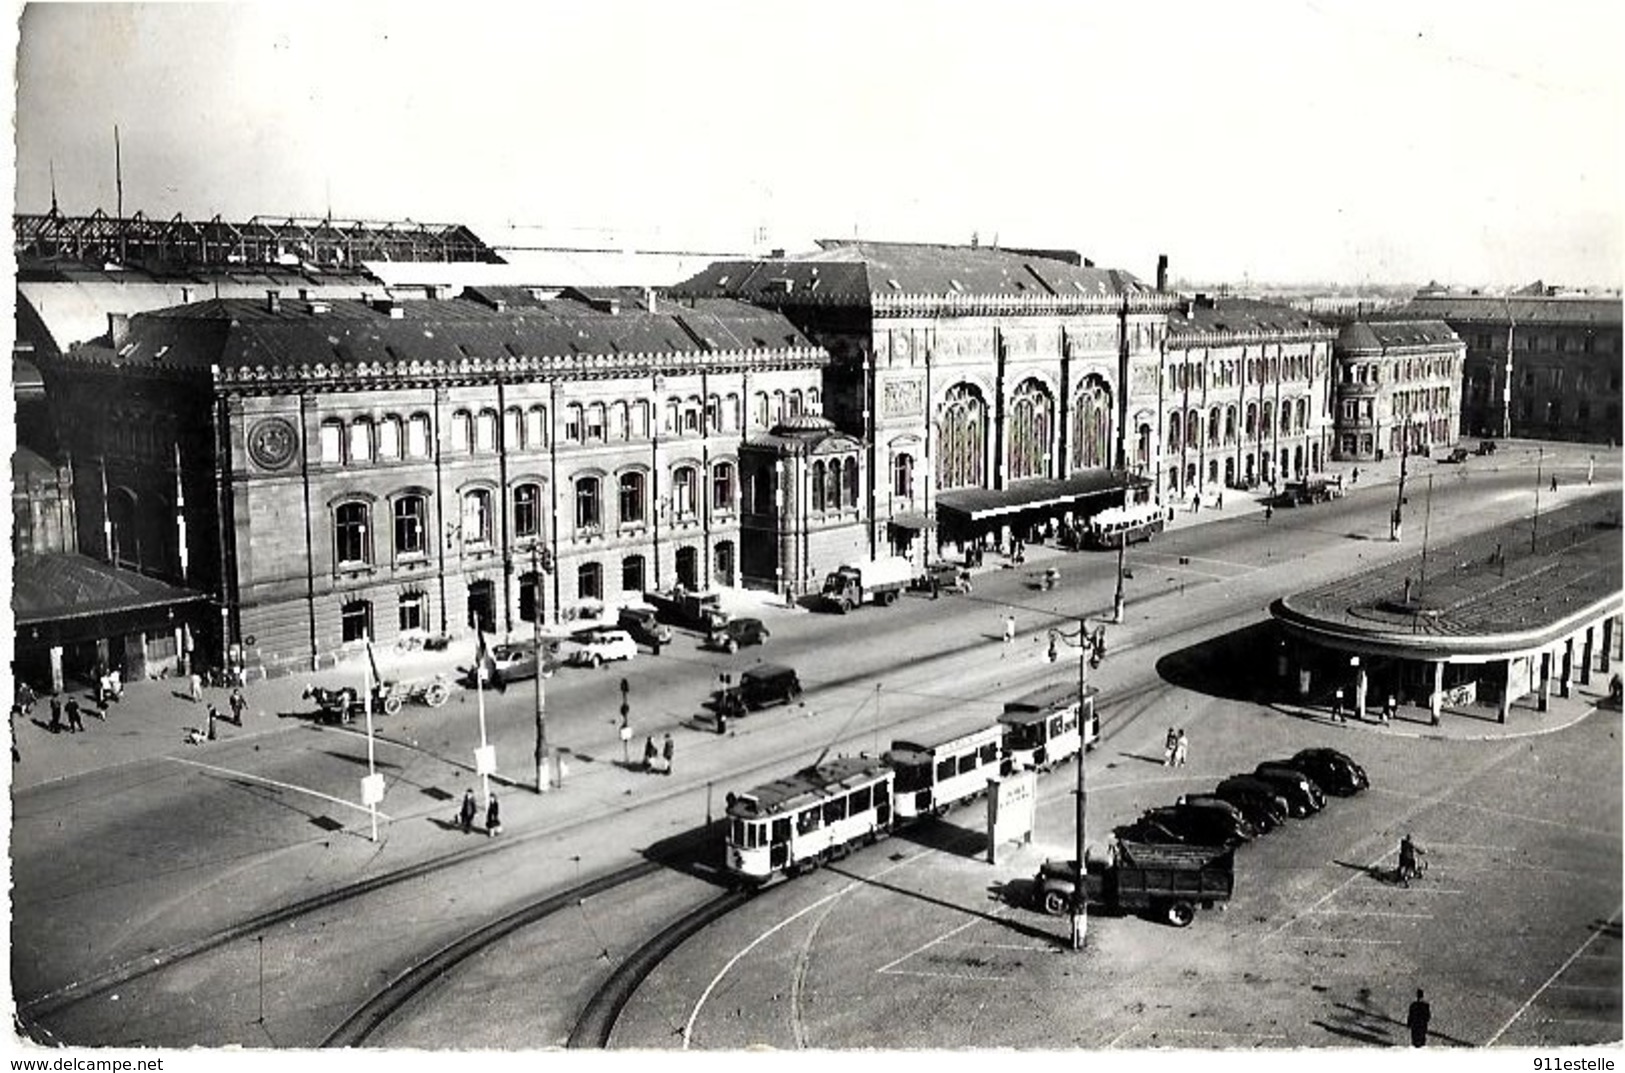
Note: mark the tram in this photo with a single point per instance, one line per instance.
(796, 823)
(1047, 727)
(1124, 525)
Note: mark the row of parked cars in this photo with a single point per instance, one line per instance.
(1242, 807)
(604, 642)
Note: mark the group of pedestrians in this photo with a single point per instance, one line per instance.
(469, 810)
(1174, 746)
(657, 758)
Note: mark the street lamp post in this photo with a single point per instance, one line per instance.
(1091, 649)
(542, 773)
(1397, 522)
(1118, 599)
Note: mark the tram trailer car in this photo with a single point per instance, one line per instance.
(947, 766)
(1042, 728)
(820, 813)
(1124, 525)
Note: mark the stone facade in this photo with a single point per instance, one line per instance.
(1398, 389)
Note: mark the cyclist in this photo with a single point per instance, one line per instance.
(1410, 865)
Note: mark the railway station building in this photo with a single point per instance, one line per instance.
(1471, 629)
(1398, 388)
(333, 470)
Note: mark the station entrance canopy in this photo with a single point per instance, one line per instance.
(967, 507)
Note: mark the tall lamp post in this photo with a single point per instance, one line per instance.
(1396, 523)
(543, 775)
(1091, 650)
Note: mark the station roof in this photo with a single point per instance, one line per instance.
(1495, 309)
(1487, 594)
(1205, 315)
(979, 504)
(50, 588)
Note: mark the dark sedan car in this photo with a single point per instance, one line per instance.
(736, 633)
(1200, 826)
(1253, 788)
(1256, 808)
(1336, 772)
(1300, 791)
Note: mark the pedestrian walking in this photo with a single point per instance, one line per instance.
(1219, 502)
(25, 698)
(1170, 747)
(465, 815)
(56, 713)
(1591, 470)
(651, 754)
(493, 818)
(1554, 482)
(1269, 511)
(1354, 478)
(213, 715)
(1181, 744)
(1009, 629)
(1389, 709)
(238, 704)
(1417, 1020)
(195, 688)
(1337, 705)
(115, 680)
(75, 723)
(666, 749)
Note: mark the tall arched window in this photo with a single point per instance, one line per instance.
(513, 429)
(485, 431)
(903, 476)
(1175, 433)
(1214, 426)
(536, 427)
(332, 441)
(527, 511)
(1032, 421)
(462, 430)
(1266, 421)
(722, 486)
(850, 481)
(389, 437)
(478, 523)
(1193, 430)
(832, 486)
(1092, 426)
(631, 498)
(962, 433)
(1252, 420)
(1229, 424)
(588, 511)
(410, 525)
(1142, 446)
(683, 498)
(818, 485)
(351, 543)
(417, 436)
(361, 440)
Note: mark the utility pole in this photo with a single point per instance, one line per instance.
(543, 775)
(1534, 525)
(1118, 600)
(1397, 523)
(1091, 649)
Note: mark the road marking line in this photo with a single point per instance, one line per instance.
(1561, 969)
(923, 948)
(279, 785)
(1371, 913)
(1586, 987)
(699, 1004)
(941, 975)
(1115, 1040)
(1217, 1032)
(1564, 824)
(1341, 939)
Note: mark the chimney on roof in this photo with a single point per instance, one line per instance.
(1190, 308)
(273, 301)
(118, 329)
(1162, 271)
(1087, 263)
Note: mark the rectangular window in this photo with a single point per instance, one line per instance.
(632, 573)
(535, 428)
(332, 443)
(595, 422)
(945, 769)
(485, 432)
(409, 527)
(967, 763)
(389, 439)
(835, 811)
(526, 512)
(417, 437)
(361, 442)
(809, 820)
(859, 802)
(590, 581)
(355, 621)
(460, 434)
(412, 611)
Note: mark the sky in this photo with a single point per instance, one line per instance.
(1368, 141)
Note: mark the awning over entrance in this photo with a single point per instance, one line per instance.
(910, 519)
(982, 504)
(53, 588)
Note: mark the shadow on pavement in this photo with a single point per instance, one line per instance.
(1358, 1033)
(1016, 926)
(946, 837)
(1234, 666)
(696, 852)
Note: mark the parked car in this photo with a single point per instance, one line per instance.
(1301, 792)
(1196, 826)
(1486, 447)
(1258, 812)
(1335, 772)
(516, 661)
(644, 624)
(762, 685)
(1250, 791)
(736, 633)
(599, 645)
(1460, 454)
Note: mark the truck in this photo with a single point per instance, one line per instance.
(877, 581)
(691, 610)
(1166, 882)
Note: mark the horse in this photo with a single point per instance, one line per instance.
(339, 703)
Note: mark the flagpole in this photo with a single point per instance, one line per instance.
(479, 689)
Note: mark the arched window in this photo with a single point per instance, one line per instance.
(1215, 424)
(572, 422)
(590, 581)
(389, 438)
(411, 524)
(527, 511)
(620, 421)
(632, 573)
(1286, 417)
(1303, 414)
(479, 524)
(361, 440)
(536, 427)
(1175, 439)
(513, 429)
(640, 419)
(631, 498)
(962, 433)
(683, 498)
(595, 423)
(462, 431)
(814, 401)
(1142, 445)
(1193, 430)
(417, 436)
(730, 412)
(722, 486)
(763, 415)
(589, 516)
(795, 403)
(1092, 425)
(1266, 422)
(351, 541)
(1032, 420)
(850, 483)
(485, 431)
(1252, 420)
(902, 472)
(332, 441)
(818, 485)
(778, 407)
(1229, 424)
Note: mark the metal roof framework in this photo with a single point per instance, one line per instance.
(178, 241)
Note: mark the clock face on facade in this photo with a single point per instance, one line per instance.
(272, 442)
